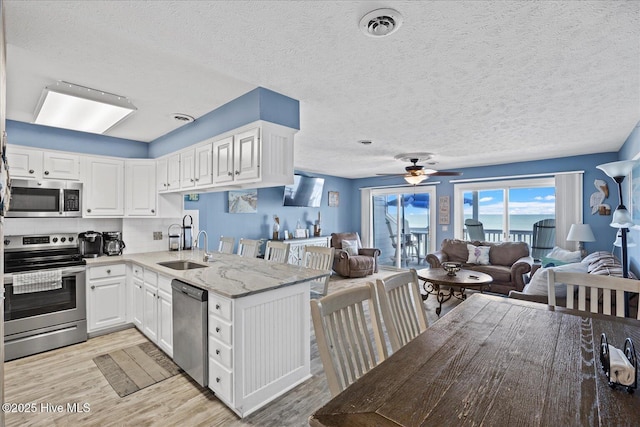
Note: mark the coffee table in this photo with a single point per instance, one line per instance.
(437, 278)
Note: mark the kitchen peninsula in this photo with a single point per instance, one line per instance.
(258, 322)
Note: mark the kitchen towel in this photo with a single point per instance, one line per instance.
(38, 281)
(621, 371)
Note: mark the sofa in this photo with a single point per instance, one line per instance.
(508, 263)
(350, 259)
(600, 262)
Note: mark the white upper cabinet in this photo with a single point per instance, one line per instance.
(246, 155)
(168, 173)
(35, 163)
(223, 160)
(140, 185)
(60, 165)
(103, 186)
(195, 166)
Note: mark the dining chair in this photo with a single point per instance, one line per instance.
(319, 258)
(248, 248)
(601, 288)
(276, 252)
(226, 244)
(342, 333)
(403, 311)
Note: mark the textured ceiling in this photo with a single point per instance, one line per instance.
(474, 82)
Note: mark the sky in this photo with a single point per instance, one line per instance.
(522, 201)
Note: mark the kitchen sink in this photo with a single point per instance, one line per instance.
(181, 265)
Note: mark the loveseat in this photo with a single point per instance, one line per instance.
(508, 263)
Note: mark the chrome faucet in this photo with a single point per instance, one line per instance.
(207, 256)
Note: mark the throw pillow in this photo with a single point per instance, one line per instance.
(350, 247)
(552, 262)
(538, 284)
(478, 254)
(564, 255)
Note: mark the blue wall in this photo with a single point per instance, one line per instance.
(258, 104)
(216, 219)
(51, 138)
(600, 224)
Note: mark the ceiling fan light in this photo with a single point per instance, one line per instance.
(415, 179)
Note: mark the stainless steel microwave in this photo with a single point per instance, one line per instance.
(45, 198)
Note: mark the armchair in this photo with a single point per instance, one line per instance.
(346, 265)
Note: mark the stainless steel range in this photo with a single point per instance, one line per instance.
(45, 296)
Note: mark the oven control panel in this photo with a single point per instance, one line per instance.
(42, 241)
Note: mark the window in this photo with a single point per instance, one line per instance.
(506, 209)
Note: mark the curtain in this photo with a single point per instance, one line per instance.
(569, 203)
(365, 215)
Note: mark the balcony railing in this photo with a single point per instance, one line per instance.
(495, 235)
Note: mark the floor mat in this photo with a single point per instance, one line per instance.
(133, 368)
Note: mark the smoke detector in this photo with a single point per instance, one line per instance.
(182, 118)
(381, 22)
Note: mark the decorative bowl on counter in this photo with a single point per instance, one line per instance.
(451, 267)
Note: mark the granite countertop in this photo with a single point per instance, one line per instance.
(229, 275)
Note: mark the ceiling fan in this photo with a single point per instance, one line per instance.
(416, 173)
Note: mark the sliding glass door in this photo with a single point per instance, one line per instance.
(402, 222)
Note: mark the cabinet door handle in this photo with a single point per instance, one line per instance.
(93, 286)
(217, 351)
(153, 211)
(108, 271)
(89, 210)
(197, 179)
(192, 180)
(46, 172)
(217, 306)
(31, 171)
(229, 173)
(237, 172)
(164, 184)
(217, 379)
(168, 185)
(217, 329)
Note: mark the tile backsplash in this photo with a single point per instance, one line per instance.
(137, 233)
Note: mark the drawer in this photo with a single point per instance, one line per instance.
(164, 283)
(220, 330)
(103, 271)
(150, 277)
(220, 306)
(137, 271)
(220, 352)
(220, 381)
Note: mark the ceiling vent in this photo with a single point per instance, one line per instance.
(381, 22)
(182, 118)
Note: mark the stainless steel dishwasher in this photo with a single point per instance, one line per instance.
(190, 341)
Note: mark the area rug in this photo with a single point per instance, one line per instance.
(133, 368)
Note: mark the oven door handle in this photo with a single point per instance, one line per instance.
(67, 271)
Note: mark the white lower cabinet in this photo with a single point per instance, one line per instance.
(106, 297)
(152, 306)
(165, 315)
(258, 346)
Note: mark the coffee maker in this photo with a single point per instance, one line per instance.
(112, 243)
(90, 243)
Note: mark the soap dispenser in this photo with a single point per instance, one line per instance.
(187, 229)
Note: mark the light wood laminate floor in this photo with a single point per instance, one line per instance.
(69, 375)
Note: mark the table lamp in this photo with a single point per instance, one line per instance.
(581, 233)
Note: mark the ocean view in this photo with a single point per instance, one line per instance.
(489, 222)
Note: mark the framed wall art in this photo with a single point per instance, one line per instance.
(243, 201)
(334, 199)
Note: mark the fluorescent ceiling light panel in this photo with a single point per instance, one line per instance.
(69, 106)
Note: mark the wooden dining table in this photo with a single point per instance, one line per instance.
(495, 361)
